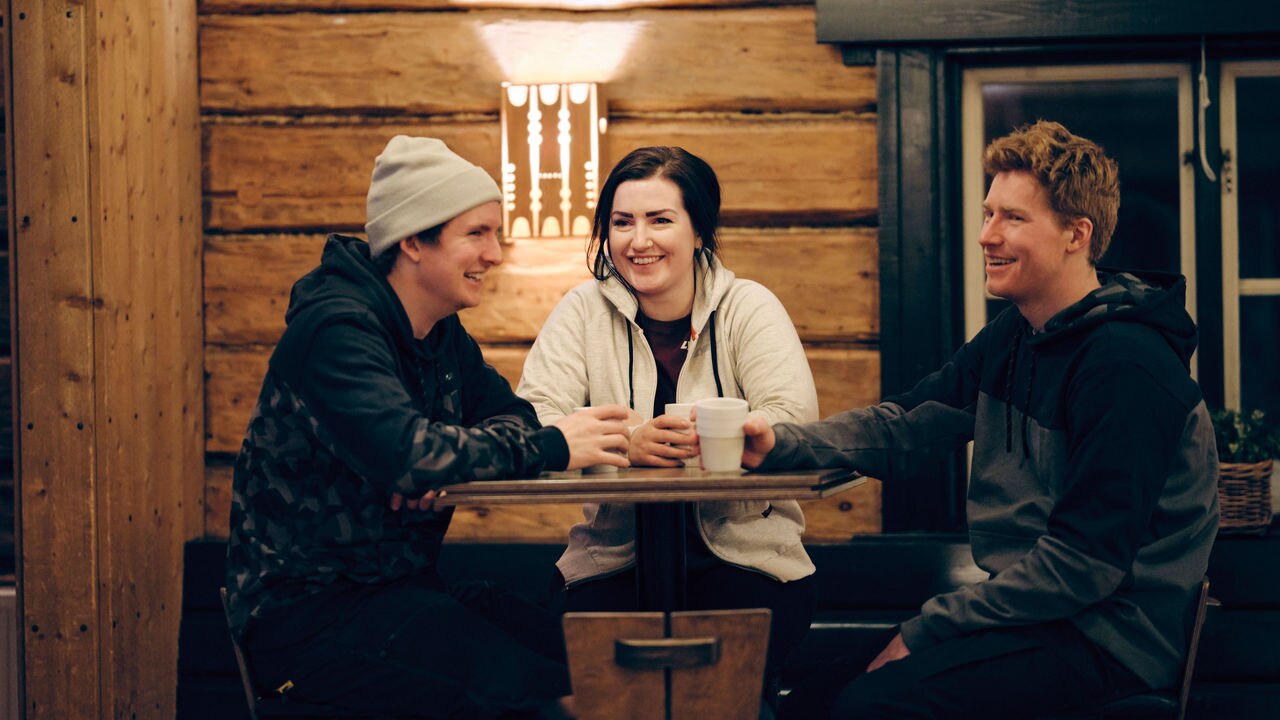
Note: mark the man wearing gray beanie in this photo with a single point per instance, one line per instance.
(375, 397)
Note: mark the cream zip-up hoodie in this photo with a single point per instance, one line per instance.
(581, 357)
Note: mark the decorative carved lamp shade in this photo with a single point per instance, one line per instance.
(551, 148)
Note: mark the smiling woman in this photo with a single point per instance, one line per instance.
(664, 321)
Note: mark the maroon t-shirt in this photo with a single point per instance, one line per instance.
(669, 341)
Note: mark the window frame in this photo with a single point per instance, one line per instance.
(1233, 286)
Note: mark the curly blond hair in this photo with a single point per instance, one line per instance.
(1079, 177)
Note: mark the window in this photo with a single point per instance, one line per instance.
(1141, 114)
(1145, 116)
(1250, 180)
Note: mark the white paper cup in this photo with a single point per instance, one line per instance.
(721, 454)
(602, 467)
(682, 410)
(720, 436)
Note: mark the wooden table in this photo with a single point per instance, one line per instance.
(661, 497)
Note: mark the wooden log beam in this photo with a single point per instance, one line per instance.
(846, 377)
(259, 7)
(453, 62)
(826, 278)
(774, 171)
(108, 340)
(56, 470)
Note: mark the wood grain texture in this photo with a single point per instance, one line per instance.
(602, 688)
(826, 278)
(845, 377)
(109, 342)
(730, 688)
(57, 475)
(443, 63)
(774, 170)
(144, 183)
(838, 518)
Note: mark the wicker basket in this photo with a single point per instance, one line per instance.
(1244, 497)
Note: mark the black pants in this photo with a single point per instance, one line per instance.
(719, 587)
(1025, 672)
(414, 648)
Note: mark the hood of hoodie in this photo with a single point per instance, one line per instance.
(710, 283)
(1157, 300)
(347, 279)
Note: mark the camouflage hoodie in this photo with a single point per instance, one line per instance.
(353, 408)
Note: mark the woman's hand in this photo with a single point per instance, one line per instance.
(596, 436)
(665, 441)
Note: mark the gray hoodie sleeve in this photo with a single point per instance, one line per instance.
(894, 439)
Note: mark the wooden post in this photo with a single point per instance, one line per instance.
(107, 255)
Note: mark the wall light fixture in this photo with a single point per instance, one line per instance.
(552, 136)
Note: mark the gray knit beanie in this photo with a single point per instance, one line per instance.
(419, 183)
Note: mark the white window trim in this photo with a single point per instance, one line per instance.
(1233, 287)
(974, 182)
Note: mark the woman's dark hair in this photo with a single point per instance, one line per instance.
(699, 190)
(387, 260)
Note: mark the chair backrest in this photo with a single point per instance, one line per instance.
(1163, 703)
(241, 662)
(707, 665)
(1203, 601)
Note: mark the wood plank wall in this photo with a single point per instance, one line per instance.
(8, 558)
(108, 327)
(298, 96)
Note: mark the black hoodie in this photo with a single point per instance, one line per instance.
(1093, 491)
(354, 408)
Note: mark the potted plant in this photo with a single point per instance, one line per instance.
(1248, 444)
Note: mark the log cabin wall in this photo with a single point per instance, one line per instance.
(297, 97)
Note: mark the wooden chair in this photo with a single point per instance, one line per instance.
(1170, 704)
(263, 707)
(707, 665)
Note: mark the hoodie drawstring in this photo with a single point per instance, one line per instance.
(1031, 379)
(631, 370)
(715, 363)
(1008, 394)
